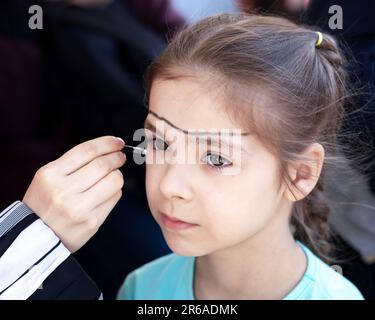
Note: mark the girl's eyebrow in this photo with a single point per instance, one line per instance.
(208, 134)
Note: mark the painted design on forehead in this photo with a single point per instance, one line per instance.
(194, 133)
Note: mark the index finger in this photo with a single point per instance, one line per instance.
(87, 151)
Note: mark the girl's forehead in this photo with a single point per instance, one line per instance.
(186, 104)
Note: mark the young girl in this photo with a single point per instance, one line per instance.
(261, 233)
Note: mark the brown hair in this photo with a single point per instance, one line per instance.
(303, 86)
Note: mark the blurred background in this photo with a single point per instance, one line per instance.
(80, 77)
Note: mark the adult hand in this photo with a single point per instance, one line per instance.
(74, 194)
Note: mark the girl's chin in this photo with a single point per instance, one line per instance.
(182, 247)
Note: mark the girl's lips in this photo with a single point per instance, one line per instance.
(175, 223)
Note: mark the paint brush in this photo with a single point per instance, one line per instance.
(130, 149)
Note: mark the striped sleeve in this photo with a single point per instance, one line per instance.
(34, 263)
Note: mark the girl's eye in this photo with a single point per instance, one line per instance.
(158, 144)
(217, 161)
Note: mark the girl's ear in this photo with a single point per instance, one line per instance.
(304, 174)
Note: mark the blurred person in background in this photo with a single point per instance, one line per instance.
(83, 79)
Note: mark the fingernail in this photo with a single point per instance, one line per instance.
(124, 155)
(120, 140)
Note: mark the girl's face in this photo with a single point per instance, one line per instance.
(220, 209)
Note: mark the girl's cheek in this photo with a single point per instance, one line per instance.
(150, 181)
(154, 174)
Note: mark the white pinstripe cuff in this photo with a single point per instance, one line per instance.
(31, 257)
(12, 215)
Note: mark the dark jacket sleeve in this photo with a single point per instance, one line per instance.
(63, 277)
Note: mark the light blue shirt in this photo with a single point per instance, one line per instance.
(172, 277)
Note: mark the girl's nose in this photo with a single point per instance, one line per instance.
(176, 183)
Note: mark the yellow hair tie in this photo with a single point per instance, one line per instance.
(320, 39)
